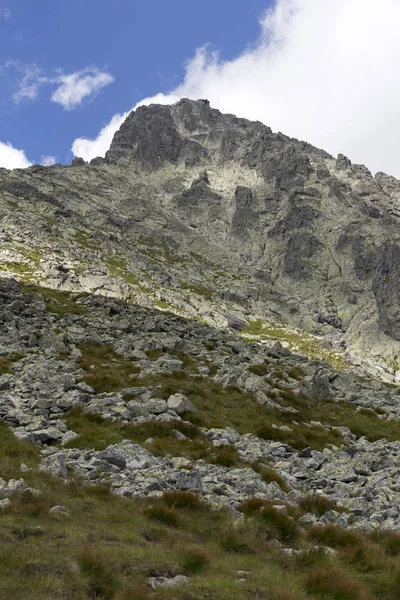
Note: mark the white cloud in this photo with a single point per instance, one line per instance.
(11, 158)
(31, 82)
(322, 70)
(89, 149)
(71, 89)
(74, 88)
(5, 13)
(48, 161)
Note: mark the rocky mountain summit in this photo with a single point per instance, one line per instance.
(220, 219)
(198, 369)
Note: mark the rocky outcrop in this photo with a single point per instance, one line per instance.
(212, 215)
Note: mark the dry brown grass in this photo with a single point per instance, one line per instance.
(333, 584)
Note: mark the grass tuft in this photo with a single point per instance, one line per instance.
(98, 571)
(333, 584)
(184, 501)
(195, 559)
(319, 505)
(163, 514)
(335, 537)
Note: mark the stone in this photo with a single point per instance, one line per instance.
(189, 482)
(31, 493)
(167, 582)
(128, 455)
(56, 464)
(69, 436)
(59, 511)
(4, 504)
(49, 435)
(16, 486)
(180, 404)
(156, 406)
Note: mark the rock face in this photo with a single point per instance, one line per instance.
(215, 217)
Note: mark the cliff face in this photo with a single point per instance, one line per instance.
(136, 397)
(219, 218)
(320, 232)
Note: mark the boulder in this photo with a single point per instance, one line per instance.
(180, 404)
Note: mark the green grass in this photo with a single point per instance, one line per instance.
(22, 269)
(334, 585)
(298, 342)
(301, 436)
(231, 407)
(188, 362)
(109, 546)
(105, 370)
(269, 474)
(198, 289)
(57, 301)
(118, 267)
(340, 414)
(221, 407)
(13, 452)
(319, 505)
(86, 241)
(94, 432)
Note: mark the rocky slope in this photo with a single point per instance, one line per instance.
(282, 457)
(220, 219)
(138, 371)
(192, 323)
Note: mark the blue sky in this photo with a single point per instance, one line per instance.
(325, 71)
(142, 45)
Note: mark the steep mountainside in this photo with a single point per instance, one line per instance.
(221, 219)
(186, 330)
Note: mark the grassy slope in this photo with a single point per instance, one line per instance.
(109, 546)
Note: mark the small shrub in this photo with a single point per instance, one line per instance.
(234, 542)
(333, 584)
(225, 456)
(6, 363)
(368, 556)
(335, 537)
(295, 373)
(195, 559)
(99, 573)
(319, 505)
(389, 540)
(163, 514)
(183, 500)
(269, 474)
(260, 370)
(277, 524)
(251, 506)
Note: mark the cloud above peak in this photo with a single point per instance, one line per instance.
(324, 71)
